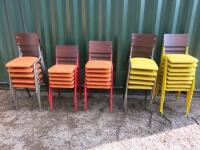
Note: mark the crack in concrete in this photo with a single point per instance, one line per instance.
(196, 121)
(120, 126)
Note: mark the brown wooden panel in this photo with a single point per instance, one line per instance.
(176, 40)
(143, 45)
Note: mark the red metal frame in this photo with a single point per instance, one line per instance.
(76, 81)
(111, 87)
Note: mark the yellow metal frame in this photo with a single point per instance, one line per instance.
(163, 71)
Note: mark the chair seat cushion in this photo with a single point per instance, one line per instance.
(143, 63)
(143, 72)
(140, 87)
(60, 68)
(98, 64)
(22, 62)
(181, 58)
(145, 78)
(140, 82)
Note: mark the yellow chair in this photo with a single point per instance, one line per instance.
(142, 70)
(177, 70)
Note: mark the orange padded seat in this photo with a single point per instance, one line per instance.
(22, 62)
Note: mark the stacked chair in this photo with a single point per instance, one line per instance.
(142, 69)
(27, 70)
(99, 69)
(177, 69)
(65, 74)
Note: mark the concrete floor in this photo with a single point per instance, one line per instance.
(29, 128)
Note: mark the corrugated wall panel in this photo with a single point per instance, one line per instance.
(78, 21)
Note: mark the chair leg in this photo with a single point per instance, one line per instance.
(85, 99)
(145, 100)
(162, 99)
(111, 99)
(75, 94)
(188, 101)
(151, 101)
(51, 98)
(28, 92)
(15, 98)
(79, 82)
(39, 97)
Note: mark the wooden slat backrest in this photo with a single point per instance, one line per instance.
(175, 43)
(100, 50)
(67, 54)
(142, 45)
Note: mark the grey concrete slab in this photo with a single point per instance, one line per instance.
(29, 128)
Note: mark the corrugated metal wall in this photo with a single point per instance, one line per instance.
(78, 21)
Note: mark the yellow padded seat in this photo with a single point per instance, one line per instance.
(143, 63)
(180, 69)
(140, 87)
(184, 65)
(179, 82)
(179, 74)
(140, 82)
(145, 78)
(180, 78)
(143, 72)
(181, 58)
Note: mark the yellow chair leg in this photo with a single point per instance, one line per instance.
(162, 99)
(188, 101)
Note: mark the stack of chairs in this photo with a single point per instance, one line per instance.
(142, 69)
(64, 74)
(177, 70)
(99, 69)
(26, 70)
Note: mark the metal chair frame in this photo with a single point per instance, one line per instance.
(76, 76)
(125, 96)
(40, 61)
(108, 57)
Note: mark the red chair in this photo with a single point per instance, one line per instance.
(99, 69)
(65, 74)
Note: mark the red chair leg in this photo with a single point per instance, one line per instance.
(79, 82)
(51, 98)
(85, 99)
(111, 98)
(75, 94)
(111, 92)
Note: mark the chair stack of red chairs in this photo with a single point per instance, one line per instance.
(64, 74)
(99, 69)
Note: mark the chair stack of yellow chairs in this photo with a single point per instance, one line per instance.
(143, 69)
(142, 74)
(177, 71)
